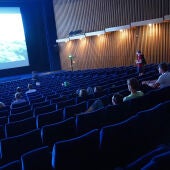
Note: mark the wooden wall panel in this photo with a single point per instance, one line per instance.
(93, 15)
(113, 49)
(118, 48)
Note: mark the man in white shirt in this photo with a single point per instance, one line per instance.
(31, 90)
(163, 80)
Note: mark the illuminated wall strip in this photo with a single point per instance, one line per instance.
(146, 22)
(76, 37)
(112, 29)
(95, 33)
(62, 40)
(167, 17)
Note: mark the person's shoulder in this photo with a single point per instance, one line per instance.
(140, 93)
(126, 98)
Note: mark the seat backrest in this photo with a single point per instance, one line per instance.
(58, 131)
(74, 109)
(136, 135)
(49, 118)
(65, 103)
(44, 109)
(16, 105)
(12, 148)
(7, 107)
(40, 104)
(20, 116)
(144, 159)
(15, 165)
(4, 113)
(120, 141)
(2, 132)
(39, 158)
(162, 160)
(20, 109)
(88, 121)
(77, 153)
(58, 99)
(3, 120)
(37, 100)
(19, 127)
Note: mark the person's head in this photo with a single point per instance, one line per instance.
(98, 89)
(162, 67)
(82, 93)
(19, 89)
(18, 95)
(90, 90)
(133, 84)
(138, 52)
(30, 86)
(117, 99)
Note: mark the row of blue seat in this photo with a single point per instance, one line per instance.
(113, 146)
(19, 123)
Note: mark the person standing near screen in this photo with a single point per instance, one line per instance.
(140, 62)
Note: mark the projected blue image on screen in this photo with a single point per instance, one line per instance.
(13, 50)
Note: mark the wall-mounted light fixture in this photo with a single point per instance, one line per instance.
(112, 29)
(146, 22)
(77, 37)
(95, 33)
(62, 40)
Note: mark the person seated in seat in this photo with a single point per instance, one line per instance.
(117, 99)
(98, 91)
(82, 93)
(30, 89)
(163, 80)
(95, 106)
(19, 90)
(90, 91)
(18, 99)
(133, 86)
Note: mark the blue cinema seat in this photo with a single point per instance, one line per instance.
(20, 116)
(77, 153)
(37, 159)
(58, 131)
(14, 165)
(49, 118)
(20, 127)
(44, 109)
(20, 109)
(70, 111)
(89, 121)
(13, 147)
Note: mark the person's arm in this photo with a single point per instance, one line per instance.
(90, 109)
(138, 61)
(152, 83)
(94, 106)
